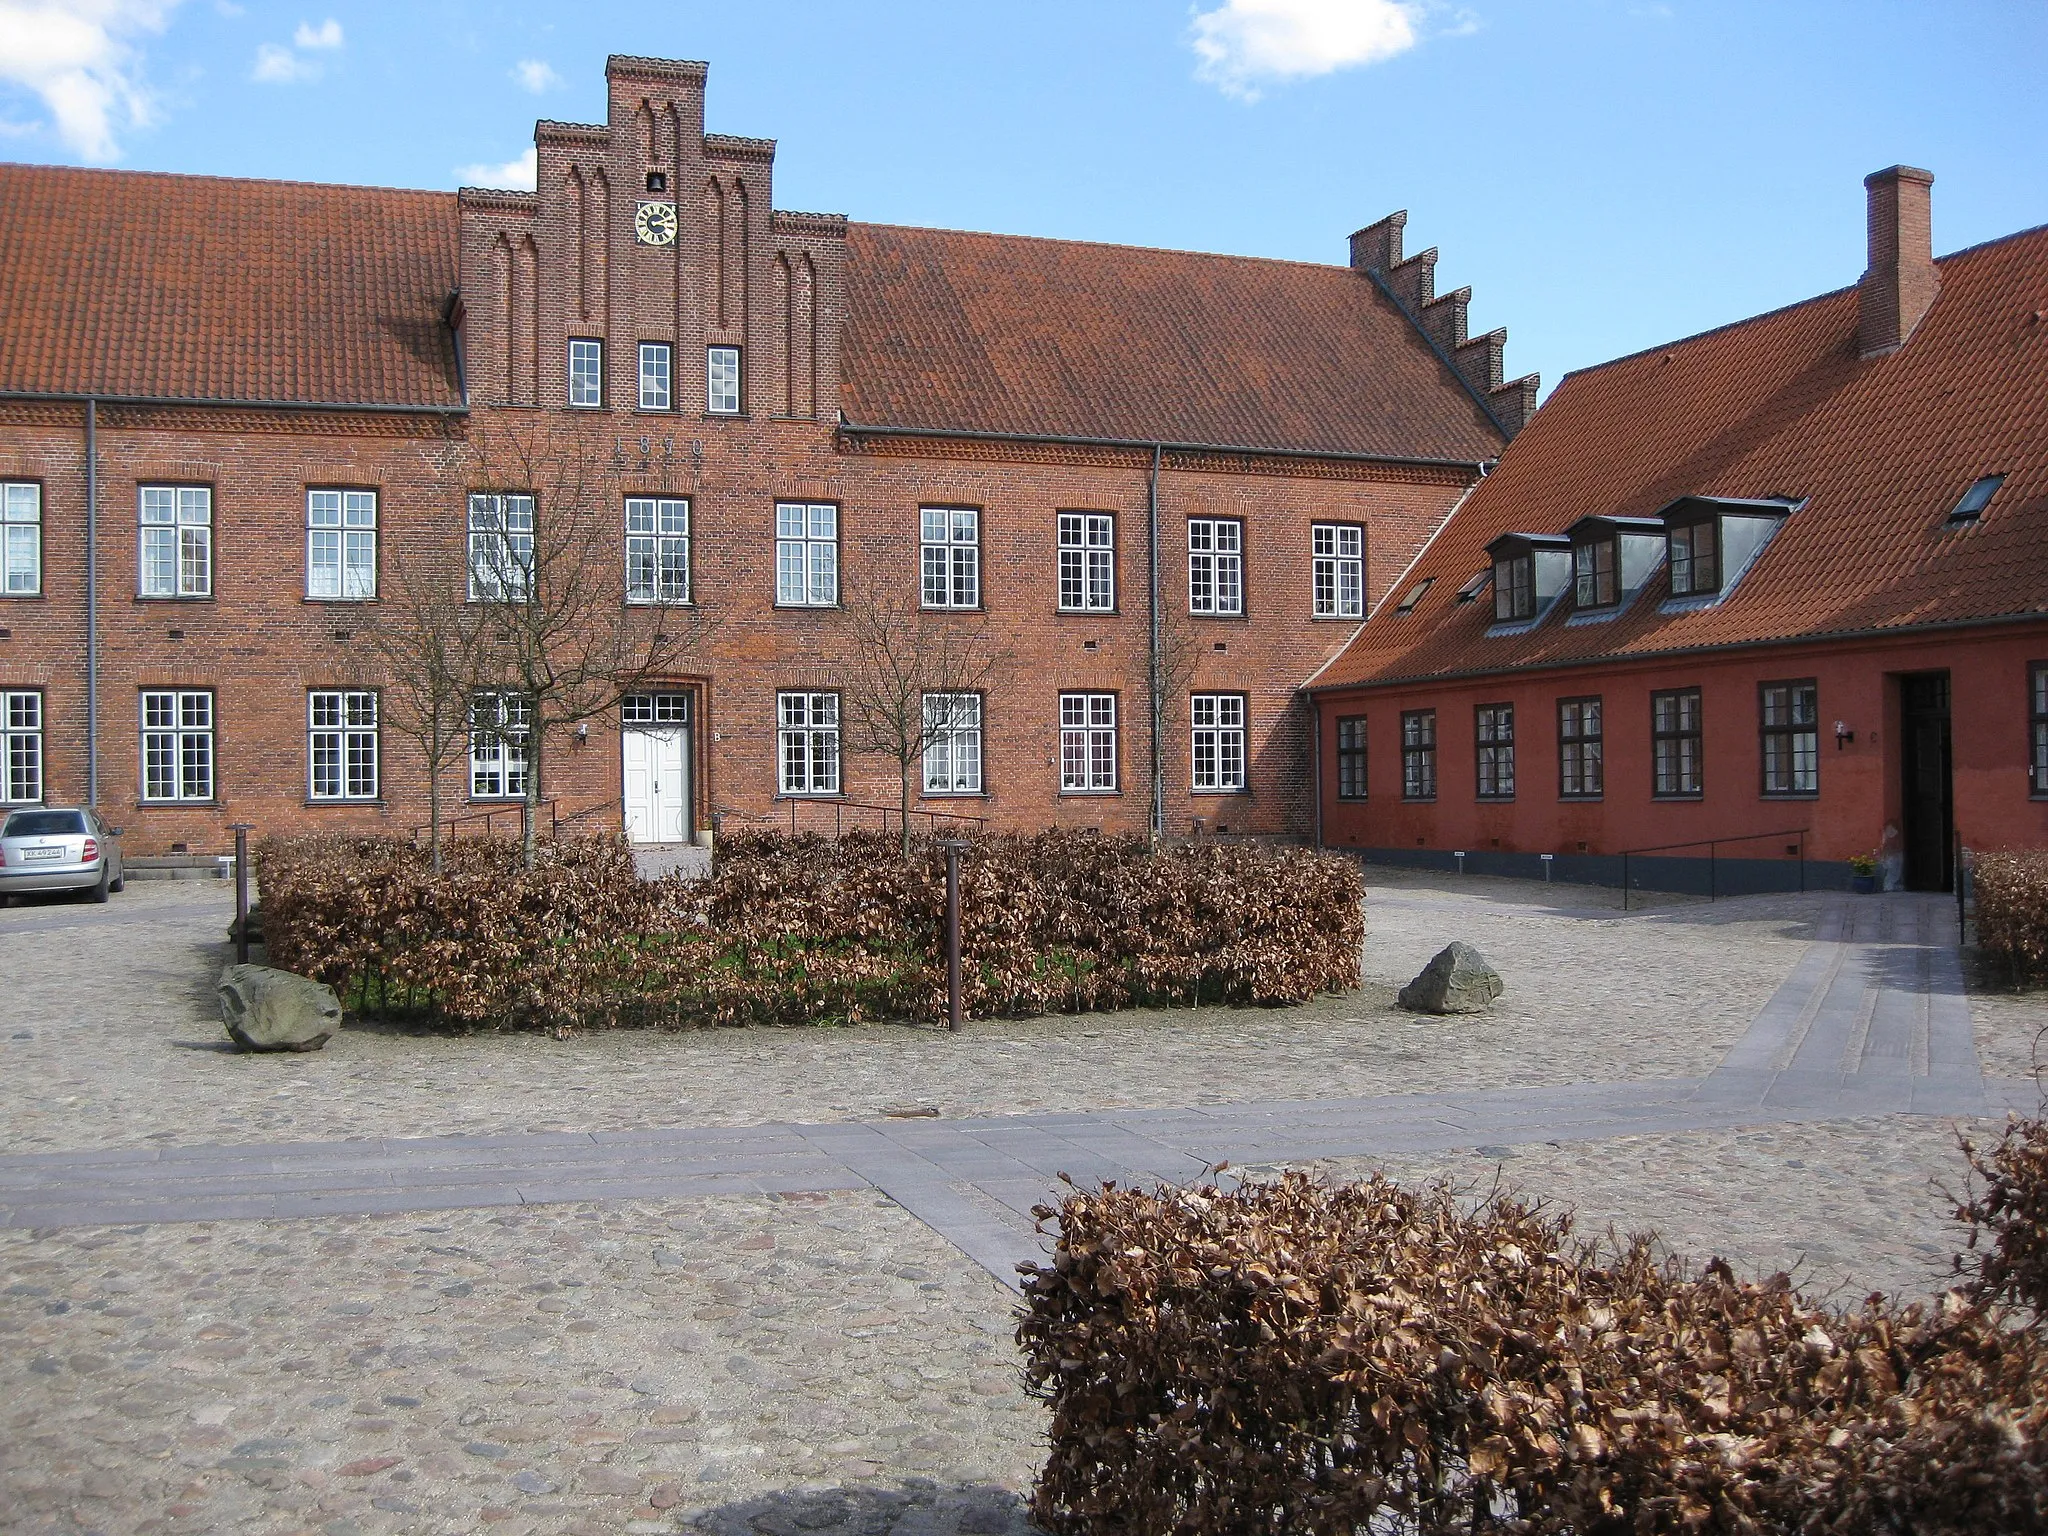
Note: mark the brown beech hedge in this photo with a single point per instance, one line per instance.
(1290, 1357)
(804, 929)
(2012, 910)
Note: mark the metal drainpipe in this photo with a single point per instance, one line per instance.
(1316, 747)
(92, 604)
(1152, 669)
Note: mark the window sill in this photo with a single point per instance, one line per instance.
(312, 804)
(179, 805)
(726, 416)
(824, 796)
(1224, 618)
(337, 602)
(953, 794)
(1418, 799)
(1221, 794)
(1088, 613)
(1689, 795)
(807, 607)
(174, 597)
(1580, 799)
(23, 597)
(951, 608)
(1789, 794)
(1336, 618)
(1494, 799)
(1351, 799)
(1090, 794)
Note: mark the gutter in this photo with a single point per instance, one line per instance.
(1151, 445)
(1629, 658)
(64, 397)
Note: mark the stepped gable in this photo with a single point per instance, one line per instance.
(208, 288)
(1879, 444)
(1007, 334)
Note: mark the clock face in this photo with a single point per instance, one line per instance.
(655, 223)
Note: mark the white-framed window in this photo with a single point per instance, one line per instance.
(806, 554)
(341, 544)
(1337, 570)
(949, 554)
(1087, 742)
(657, 549)
(655, 376)
(177, 540)
(952, 743)
(655, 709)
(21, 747)
(807, 743)
(722, 380)
(21, 538)
(177, 744)
(500, 546)
(1087, 562)
(498, 726)
(586, 372)
(1218, 720)
(1215, 565)
(341, 744)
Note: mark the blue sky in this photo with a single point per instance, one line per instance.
(1606, 174)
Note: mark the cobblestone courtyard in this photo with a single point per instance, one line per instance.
(818, 1359)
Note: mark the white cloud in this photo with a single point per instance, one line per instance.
(278, 65)
(535, 74)
(516, 175)
(80, 58)
(326, 35)
(1244, 43)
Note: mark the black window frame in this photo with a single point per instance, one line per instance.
(1353, 782)
(2037, 729)
(1785, 734)
(1515, 598)
(1586, 580)
(1418, 755)
(1493, 748)
(1573, 743)
(1678, 733)
(1693, 587)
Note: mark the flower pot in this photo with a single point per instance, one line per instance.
(1863, 885)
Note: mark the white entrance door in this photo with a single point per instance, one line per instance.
(657, 795)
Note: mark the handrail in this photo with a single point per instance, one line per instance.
(838, 806)
(509, 808)
(1712, 845)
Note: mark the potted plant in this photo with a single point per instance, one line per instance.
(1863, 873)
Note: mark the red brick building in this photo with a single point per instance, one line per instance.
(227, 408)
(1785, 577)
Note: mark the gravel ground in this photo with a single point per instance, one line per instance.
(116, 1042)
(563, 1368)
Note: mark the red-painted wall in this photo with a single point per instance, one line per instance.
(1861, 781)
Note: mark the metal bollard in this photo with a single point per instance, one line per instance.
(241, 831)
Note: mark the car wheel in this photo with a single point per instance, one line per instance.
(99, 892)
(118, 883)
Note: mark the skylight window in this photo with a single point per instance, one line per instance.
(1976, 499)
(1471, 590)
(1414, 595)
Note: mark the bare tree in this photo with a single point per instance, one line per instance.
(579, 609)
(914, 679)
(429, 645)
(1173, 667)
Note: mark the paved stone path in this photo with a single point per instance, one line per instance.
(1873, 1020)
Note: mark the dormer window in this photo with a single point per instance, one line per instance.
(1695, 559)
(1528, 571)
(1713, 540)
(1595, 584)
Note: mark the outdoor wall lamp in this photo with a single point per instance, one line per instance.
(583, 732)
(1842, 734)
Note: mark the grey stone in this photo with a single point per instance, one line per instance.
(270, 1010)
(1458, 980)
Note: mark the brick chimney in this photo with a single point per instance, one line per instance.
(1899, 286)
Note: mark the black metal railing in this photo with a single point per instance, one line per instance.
(935, 821)
(510, 808)
(1713, 847)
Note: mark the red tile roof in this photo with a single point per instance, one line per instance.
(1000, 333)
(199, 287)
(1778, 405)
(194, 287)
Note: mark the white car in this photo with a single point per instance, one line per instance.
(58, 848)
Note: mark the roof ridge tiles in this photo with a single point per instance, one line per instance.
(42, 169)
(1105, 245)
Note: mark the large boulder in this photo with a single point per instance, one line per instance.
(1458, 980)
(268, 1010)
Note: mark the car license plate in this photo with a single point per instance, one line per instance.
(32, 854)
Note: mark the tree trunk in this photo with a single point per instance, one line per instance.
(904, 777)
(529, 807)
(434, 809)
